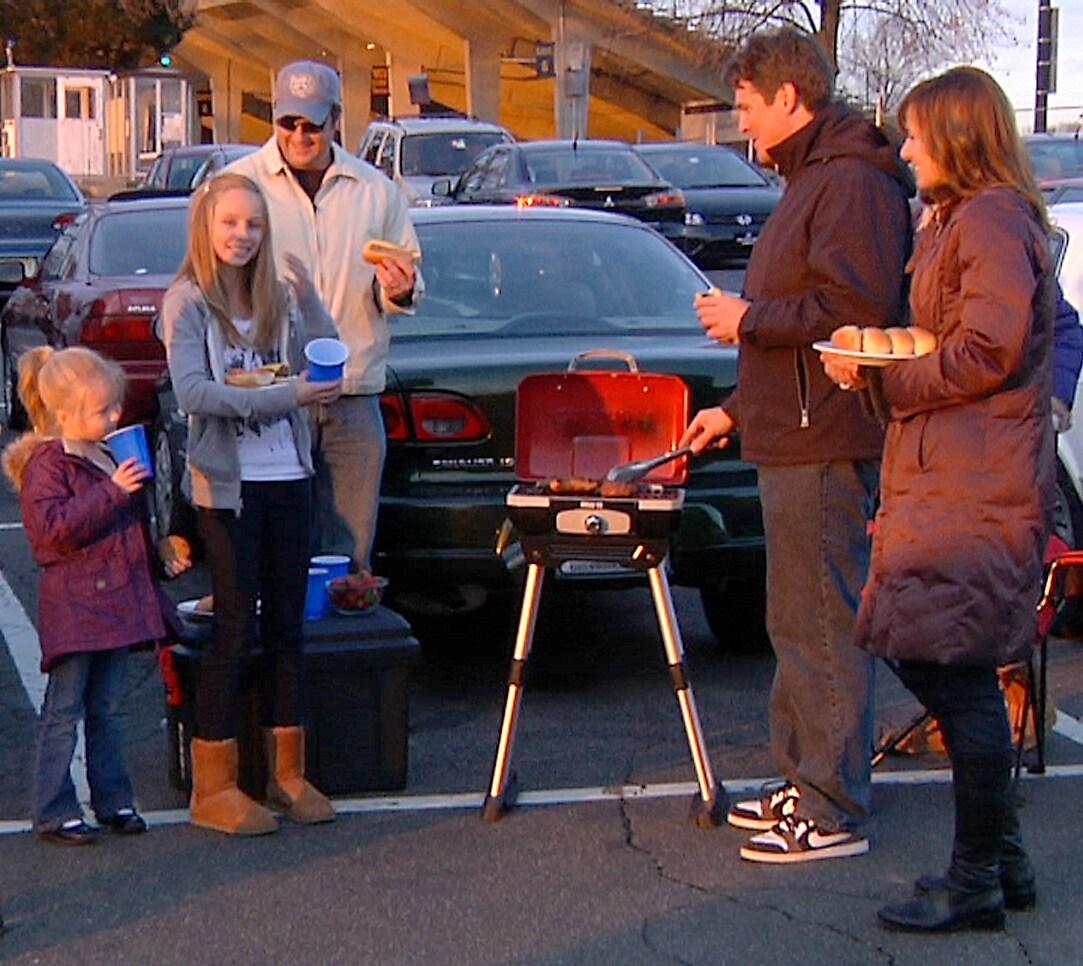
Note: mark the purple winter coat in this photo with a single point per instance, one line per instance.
(97, 590)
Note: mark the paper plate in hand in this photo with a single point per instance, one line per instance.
(865, 358)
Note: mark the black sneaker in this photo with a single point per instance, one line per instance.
(760, 814)
(126, 821)
(73, 832)
(797, 839)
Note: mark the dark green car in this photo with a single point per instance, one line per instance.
(510, 292)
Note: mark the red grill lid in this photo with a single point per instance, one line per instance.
(582, 423)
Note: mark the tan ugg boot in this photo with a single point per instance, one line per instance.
(287, 789)
(217, 803)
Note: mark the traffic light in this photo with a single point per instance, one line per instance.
(165, 58)
(545, 58)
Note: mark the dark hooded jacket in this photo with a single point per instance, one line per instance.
(89, 537)
(832, 253)
(967, 476)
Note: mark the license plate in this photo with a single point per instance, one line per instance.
(591, 568)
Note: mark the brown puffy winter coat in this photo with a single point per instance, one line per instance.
(967, 471)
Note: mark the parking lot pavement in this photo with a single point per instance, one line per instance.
(609, 870)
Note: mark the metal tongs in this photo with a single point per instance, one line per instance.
(627, 472)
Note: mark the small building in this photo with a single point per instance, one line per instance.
(95, 122)
(55, 113)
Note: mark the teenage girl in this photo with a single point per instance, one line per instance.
(249, 475)
(97, 596)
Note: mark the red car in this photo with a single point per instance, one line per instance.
(101, 286)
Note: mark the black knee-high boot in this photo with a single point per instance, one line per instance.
(972, 897)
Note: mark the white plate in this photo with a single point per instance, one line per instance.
(187, 608)
(865, 358)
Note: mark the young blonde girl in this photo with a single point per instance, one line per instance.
(84, 518)
(249, 475)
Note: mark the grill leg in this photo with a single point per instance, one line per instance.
(500, 796)
(709, 806)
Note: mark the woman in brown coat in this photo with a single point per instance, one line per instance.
(967, 476)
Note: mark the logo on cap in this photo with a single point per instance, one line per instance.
(302, 85)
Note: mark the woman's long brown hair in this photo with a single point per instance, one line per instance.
(968, 127)
(201, 266)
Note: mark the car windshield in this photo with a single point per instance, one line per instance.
(23, 182)
(587, 166)
(151, 241)
(709, 168)
(183, 169)
(448, 153)
(550, 278)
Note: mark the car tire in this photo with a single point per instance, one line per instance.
(16, 414)
(735, 611)
(167, 500)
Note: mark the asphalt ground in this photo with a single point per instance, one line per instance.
(600, 863)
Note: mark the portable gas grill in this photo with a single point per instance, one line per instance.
(573, 427)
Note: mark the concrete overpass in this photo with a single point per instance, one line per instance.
(618, 71)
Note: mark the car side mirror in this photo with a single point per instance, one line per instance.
(11, 273)
(441, 188)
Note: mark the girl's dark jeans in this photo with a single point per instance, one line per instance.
(261, 554)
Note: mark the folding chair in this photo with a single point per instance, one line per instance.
(1059, 560)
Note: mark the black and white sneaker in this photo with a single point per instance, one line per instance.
(797, 839)
(760, 814)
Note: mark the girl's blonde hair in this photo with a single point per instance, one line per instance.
(52, 381)
(202, 266)
(968, 126)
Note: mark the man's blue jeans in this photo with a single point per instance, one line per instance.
(88, 687)
(815, 520)
(350, 445)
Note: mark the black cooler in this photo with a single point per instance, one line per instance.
(357, 670)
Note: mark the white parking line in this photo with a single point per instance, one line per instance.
(22, 641)
(575, 796)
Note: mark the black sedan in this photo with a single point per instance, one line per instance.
(727, 198)
(606, 175)
(36, 198)
(511, 292)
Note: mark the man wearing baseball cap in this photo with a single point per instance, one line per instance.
(324, 204)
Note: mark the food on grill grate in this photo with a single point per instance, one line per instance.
(613, 488)
(572, 485)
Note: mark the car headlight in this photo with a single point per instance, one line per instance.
(694, 219)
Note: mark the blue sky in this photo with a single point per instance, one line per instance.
(1014, 66)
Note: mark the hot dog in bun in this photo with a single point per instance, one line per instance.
(260, 376)
(377, 249)
(924, 340)
(875, 340)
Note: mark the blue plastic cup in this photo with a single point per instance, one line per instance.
(316, 593)
(326, 359)
(128, 442)
(336, 564)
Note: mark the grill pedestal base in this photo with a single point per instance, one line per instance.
(708, 806)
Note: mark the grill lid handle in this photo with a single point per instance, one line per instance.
(626, 357)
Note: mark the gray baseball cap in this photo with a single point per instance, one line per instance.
(307, 88)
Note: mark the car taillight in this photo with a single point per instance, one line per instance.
(65, 218)
(124, 316)
(542, 201)
(393, 410)
(433, 417)
(665, 199)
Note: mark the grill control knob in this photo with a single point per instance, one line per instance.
(594, 524)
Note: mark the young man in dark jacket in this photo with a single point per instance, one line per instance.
(832, 253)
